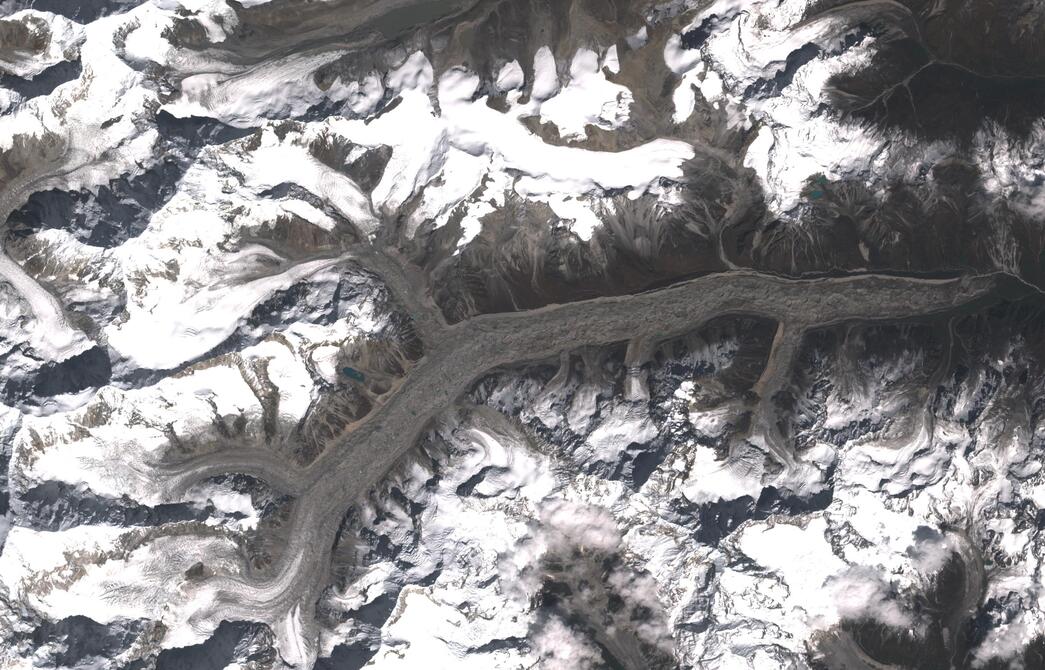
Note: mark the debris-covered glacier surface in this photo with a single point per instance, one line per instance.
(522, 334)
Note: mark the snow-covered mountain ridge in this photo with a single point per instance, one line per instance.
(306, 354)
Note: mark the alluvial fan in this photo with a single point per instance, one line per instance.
(510, 334)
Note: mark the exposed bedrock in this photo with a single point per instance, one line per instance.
(578, 333)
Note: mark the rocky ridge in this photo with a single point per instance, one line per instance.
(239, 232)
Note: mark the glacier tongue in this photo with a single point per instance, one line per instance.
(254, 250)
